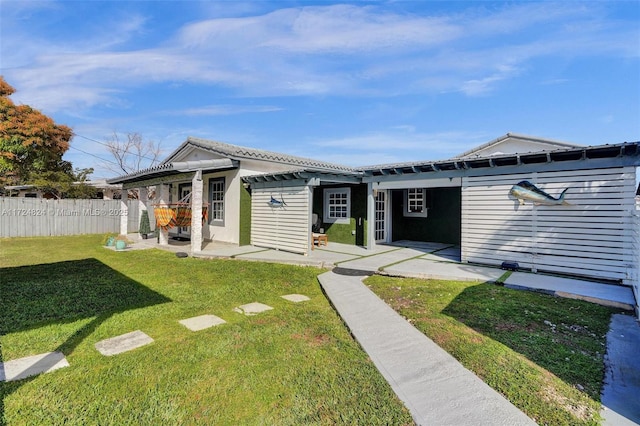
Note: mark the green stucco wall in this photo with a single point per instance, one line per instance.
(343, 233)
(443, 225)
(245, 216)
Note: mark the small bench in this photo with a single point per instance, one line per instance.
(318, 239)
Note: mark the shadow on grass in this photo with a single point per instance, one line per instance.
(561, 335)
(57, 293)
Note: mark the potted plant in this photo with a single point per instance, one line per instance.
(145, 227)
(121, 242)
(109, 240)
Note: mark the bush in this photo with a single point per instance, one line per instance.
(145, 228)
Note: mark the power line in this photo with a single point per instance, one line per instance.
(94, 155)
(109, 146)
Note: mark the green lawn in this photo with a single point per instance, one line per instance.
(296, 364)
(543, 353)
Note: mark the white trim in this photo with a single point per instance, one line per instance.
(423, 212)
(387, 219)
(420, 183)
(327, 206)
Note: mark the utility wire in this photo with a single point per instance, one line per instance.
(108, 146)
(94, 155)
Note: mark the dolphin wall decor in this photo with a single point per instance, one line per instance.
(525, 190)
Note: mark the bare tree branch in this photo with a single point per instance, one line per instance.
(132, 153)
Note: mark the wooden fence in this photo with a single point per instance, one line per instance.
(36, 217)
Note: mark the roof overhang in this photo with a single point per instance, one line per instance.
(174, 168)
(301, 177)
(582, 158)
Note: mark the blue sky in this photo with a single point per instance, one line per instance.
(356, 83)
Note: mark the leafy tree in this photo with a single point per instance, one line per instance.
(63, 184)
(31, 144)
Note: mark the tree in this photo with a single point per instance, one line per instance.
(132, 153)
(31, 144)
(62, 184)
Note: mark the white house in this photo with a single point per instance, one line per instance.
(270, 200)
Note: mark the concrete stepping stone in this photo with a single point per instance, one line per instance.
(201, 322)
(22, 368)
(296, 298)
(252, 308)
(123, 343)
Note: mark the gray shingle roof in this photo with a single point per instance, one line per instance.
(556, 144)
(237, 152)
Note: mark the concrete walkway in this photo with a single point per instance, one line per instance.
(421, 260)
(434, 386)
(621, 391)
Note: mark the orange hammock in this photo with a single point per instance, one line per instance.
(171, 216)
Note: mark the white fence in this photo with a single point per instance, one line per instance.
(36, 217)
(590, 237)
(636, 247)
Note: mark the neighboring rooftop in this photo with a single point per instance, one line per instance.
(516, 144)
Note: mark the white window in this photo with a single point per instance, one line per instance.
(216, 197)
(416, 202)
(337, 205)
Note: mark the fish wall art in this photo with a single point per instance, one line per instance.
(276, 203)
(525, 190)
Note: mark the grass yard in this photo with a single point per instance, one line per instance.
(543, 353)
(296, 364)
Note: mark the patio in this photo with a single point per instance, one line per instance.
(411, 259)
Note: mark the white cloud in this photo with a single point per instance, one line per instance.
(317, 50)
(229, 109)
(405, 143)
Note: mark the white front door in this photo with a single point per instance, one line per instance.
(184, 231)
(381, 216)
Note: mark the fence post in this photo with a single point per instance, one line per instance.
(124, 215)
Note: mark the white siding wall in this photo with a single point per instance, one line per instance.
(285, 228)
(635, 233)
(592, 237)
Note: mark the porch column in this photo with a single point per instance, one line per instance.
(371, 217)
(124, 214)
(197, 193)
(162, 191)
(143, 197)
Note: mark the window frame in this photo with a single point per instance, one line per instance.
(328, 218)
(212, 202)
(424, 212)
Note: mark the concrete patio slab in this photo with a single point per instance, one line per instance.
(428, 269)
(252, 308)
(201, 322)
(434, 386)
(331, 258)
(22, 368)
(605, 294)
(451, 254)
(374, 262)
(357, 251)
(278, 256)
(621, 388)
(420, 245)
(123, 343)
(296, 298)
(230, 250)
